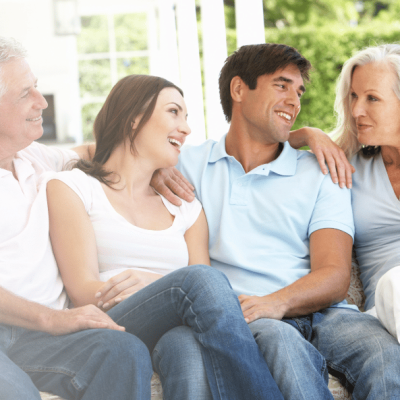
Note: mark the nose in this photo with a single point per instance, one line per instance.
(357, 108)
(184, 127)
(40, 101)
(293, 99)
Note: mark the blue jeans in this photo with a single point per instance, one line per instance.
(93, 364)
(177, 359)
(353, 346)
(201, 298)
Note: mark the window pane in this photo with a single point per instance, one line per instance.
(89, 113)
(94, 35)
(129, 66)
(131, 31)
(94, 77)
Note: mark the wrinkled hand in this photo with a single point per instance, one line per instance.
(123, 285)
(78, 319)
(326, 150)
(172, 185)
(256, 307)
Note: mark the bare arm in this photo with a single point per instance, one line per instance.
(85, 151)
(17, 311)
(326, 284)
(197, 241)
(74, 244)
(326, 150)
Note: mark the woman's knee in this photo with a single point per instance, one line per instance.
(177, 351)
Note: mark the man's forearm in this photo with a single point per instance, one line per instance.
(315, 291)
(17, 311)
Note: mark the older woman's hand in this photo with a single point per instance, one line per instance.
(327, 152)
(172, 185)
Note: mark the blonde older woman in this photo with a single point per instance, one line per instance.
(368, 131)
(368, 109)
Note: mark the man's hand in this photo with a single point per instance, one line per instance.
(172, 185)
(123, 285)
(78, 319)
(256, 307)
(326, 151)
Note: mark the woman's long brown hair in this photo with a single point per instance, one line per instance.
(131, 97)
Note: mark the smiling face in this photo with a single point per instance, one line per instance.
(165, 132)
(270, 110)
(375, 106)
(20, 107)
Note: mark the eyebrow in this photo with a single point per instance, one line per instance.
(180, 108)
(283, 79)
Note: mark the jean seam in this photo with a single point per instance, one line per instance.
(66, 372)
(48, 369)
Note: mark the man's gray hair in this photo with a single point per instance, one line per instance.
(346, 129)
(9, 49)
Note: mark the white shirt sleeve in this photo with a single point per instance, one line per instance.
(80, 183)
(190, 212)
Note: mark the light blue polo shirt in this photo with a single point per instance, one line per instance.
(260, 222)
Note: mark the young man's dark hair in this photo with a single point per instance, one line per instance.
(250, 62)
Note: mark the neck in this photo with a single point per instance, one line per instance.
(132, 173)
(7, 164)
(391, 156)
(248, 151)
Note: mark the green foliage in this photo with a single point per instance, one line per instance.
(94, 77)
(94, 35)
(130, 34)
(89, 113)
(327, 48)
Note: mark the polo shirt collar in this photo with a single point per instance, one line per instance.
(285, 164)
(218, 151)
(23, 167)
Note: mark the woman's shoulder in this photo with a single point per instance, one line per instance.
(188, 210)
(82, 184)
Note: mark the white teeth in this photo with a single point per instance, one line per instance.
(284, 115)
(174, 141)
(34, 119)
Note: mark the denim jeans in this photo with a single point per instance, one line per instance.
(353, 346)
(105, 364)
(177, 359)
(93, 364)
(200, 297)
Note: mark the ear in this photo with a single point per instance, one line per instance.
(237, 89)
(135, 124)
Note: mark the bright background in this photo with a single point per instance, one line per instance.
(185, 41)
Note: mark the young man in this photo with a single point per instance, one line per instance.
(282, 233)
(45, 346)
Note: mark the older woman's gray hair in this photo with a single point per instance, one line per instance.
(346, 129)
(9, 49)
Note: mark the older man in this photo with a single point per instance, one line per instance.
(41, 342)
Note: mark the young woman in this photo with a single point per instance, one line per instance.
(122, 246)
